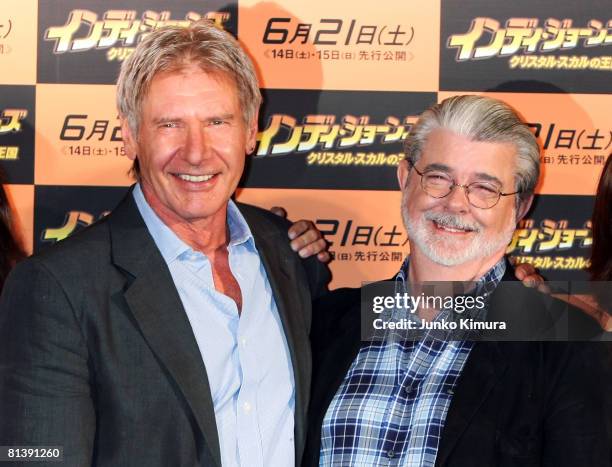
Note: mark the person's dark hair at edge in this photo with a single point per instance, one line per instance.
(601, 252)
(11, 250)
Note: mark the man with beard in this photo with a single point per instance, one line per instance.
(470, 172)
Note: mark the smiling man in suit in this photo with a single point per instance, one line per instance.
(446, 400)
(175, 331)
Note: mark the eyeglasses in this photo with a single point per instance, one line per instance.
(482, 195)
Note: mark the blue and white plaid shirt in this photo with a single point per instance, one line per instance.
(392, 405)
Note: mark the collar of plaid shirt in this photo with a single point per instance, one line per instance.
(392, 404)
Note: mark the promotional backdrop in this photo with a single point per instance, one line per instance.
(342, 85)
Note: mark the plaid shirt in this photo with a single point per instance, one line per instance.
(392, 405)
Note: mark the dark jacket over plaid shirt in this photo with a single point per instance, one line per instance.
(514, 404)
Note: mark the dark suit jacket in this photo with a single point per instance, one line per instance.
(97, 354)
(515, 404)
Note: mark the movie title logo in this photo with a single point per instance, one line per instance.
(534, 244)
(116, 30)
(74, 220)
(320, 135)
(523, 39)
(10, 120)
(10, 123)
(337, 39)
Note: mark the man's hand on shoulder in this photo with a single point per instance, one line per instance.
(306, 239)
(529, 276)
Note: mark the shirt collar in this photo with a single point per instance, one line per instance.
(492, 278)
(170, 245)
(238, 227)
(486, 283)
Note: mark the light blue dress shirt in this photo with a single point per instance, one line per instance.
(246, 357)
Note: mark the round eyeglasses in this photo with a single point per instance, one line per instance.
(482, 195)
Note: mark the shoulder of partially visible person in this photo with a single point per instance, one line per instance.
(267, 225)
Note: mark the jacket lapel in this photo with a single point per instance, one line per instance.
(277, 265)
(156, 306)
(484, 369)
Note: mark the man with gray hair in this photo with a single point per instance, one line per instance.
(175, 331)
(441, 398)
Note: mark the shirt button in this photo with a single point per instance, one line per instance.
(390, 454)
(247, 407)
(243, 341)
(450, 392)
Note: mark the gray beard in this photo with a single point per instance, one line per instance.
(444, 251)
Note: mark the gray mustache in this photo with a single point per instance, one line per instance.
(452, 221)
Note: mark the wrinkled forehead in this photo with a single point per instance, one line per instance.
(465, 158)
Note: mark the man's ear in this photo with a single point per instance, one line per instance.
(403, 172)
(524, 206)
(251, 139)
(129, 139)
